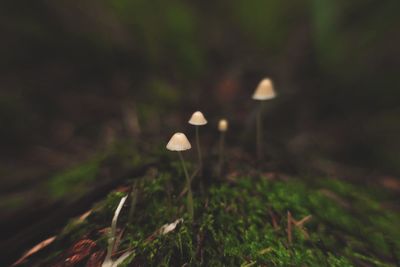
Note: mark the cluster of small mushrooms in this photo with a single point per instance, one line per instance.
(179, 142)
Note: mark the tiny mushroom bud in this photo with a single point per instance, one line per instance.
(178, 142)
(223, 125)
(265, 90)
(198, 119)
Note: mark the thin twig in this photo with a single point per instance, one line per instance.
(289, 227)
(273, 218)
(300, 225)
(302, 221)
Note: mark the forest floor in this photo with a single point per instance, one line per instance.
(248, 216)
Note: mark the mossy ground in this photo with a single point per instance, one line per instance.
(240, 222)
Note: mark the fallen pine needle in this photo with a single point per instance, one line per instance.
(35, 249)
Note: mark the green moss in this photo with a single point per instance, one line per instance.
(233, 224)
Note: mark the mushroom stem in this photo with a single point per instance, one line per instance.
(199, 150)
(289, 227)
(259, 144)
(188, 182)
(133, 195)
(221, 152)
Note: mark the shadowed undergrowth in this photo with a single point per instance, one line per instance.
(242, 222)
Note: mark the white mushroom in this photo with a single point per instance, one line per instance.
(179, 143)
(197, 120)
(264, 91)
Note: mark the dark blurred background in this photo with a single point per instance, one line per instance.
(77, 75)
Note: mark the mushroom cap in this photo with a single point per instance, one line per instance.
(265, 90)
(198, 119)
(223, 125)
(178, 142)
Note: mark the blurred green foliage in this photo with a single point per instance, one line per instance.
(166, 32)
(74, 181)
(349, 34)
(335, 63)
